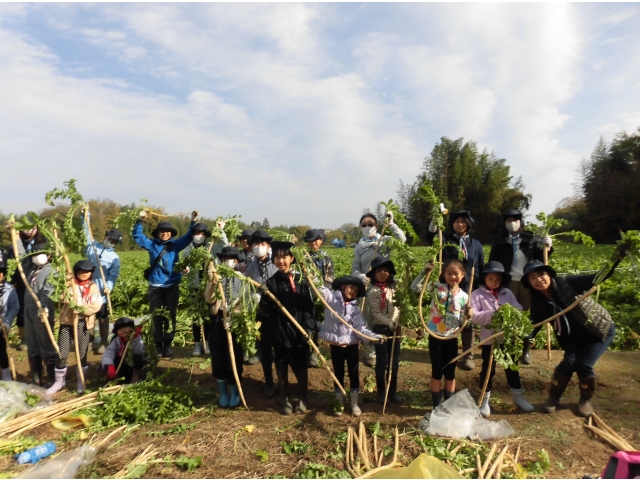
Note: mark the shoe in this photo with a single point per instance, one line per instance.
(355, 409)
(100, 350)
(85, 372)
(314, 361)
(466, 362)
(234, 398)
(395, 398)
(381, 387)
(59, 384)
(197, 349)
(558, 386)
(436, 398)
(6, 374)
(245, 358)
(485, 408)
(587, 389)
(338, 408)
(166, 350)
(302, 375)
(520, 402)
(268, 380)
(35, 365)
(301, 407)
(525, 359)
(287, 409)
(224, 396)
(253, 360)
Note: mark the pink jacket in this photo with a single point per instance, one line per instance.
(484, 303)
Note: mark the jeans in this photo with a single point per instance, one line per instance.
(581, 354)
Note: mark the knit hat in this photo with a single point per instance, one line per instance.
(260, 236)
(246, 233)
(164, 226)
(349, 280)
(83, 265)
(511, 213)
(121, 323)
(466, 214)
(495, 267)
(201, 227)
(229, 252)
(313, 234)
(380, 262)
(281, 246)
(115, 234)
(535, 266)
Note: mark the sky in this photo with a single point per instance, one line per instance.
(303, 113)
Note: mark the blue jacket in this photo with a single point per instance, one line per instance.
(10, 304)
(107, 258)
(163, 275)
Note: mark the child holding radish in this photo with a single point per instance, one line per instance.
(449, 306)
(344, 339)
(485, 301)
(88, 299)
(115, 353)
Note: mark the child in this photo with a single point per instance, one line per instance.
(164, 283)
(343, 341)
(87, 295)
(246, 254)
(39, 343)
(386, 317)
(445, 316)
(9, 306)
(219, 345)
(113, 355)
(323, 262)
(485, 301)
(291, 348)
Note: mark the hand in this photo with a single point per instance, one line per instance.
(221, 224)
(256, 297)
(194, 215)
(211, 269)
(138, 331)
(142, 215)
(111, 372)
(468, 311)
(107, 290)
(547, 241)
(432, 226)
(185, 270)
(227, 323)
(390, 218)
(381, 339)
(364, 279)
(428, 267)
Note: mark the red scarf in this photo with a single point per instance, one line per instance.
(85, 289)
(383, 298)
(292, 283)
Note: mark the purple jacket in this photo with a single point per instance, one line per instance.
(333, 330)
(484, 303)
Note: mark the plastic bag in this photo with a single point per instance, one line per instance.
(423, 466)
(486, 429)
(65, 465)
(15, 395)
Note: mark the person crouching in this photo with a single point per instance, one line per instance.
(114, 354)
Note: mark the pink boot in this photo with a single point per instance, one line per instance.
(60, 383)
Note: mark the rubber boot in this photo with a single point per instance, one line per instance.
(6, 374)
(485, 408)
(302, 374)
(393, 394)
(558, 386)
(339, 407)
(587, 389)
(207, 351)
(525, 359)
(60, 381)
(224, 396)
(103, 326)
(466, 362)
(35, 365)
(381, 387)
(50, 365)
(268, 381)
(369, 355)
(166, 349)
(436, 398)
(197, 349)
(283, 387)
(234, 398)
(22, 347)
(85, 371)
(448, 394)
(355, 409)
(521, 402)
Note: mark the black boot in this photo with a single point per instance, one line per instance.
(558, 386)
(302, 374)
(268, 380)
(381, 386)
(587, 389)
(526, 355)
(50, 365)
(35, 365)
(166, 348)
(436, 398)
(393, 394)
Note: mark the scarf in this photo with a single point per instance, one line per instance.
(263, 269)
(123, 344)
(292, 283)
(383, 298)
(85, 290)
(495, 293)
(375, 238)
(515, 248)
(463, 244)
(34, 276)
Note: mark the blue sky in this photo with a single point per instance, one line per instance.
(303, 113)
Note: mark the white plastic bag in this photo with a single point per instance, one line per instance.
(486, 429)
(65, 465)
(13, 399)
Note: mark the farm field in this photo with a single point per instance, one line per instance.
(262, 443)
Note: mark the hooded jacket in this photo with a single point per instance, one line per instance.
(163, 275)
(484, 304)
(366, 249)
(101, 257)
(9, 304)
(91, 306)
(333, 330)
(502, 249)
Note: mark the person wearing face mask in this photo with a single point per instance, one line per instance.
(220, 358)
(260, 270)
(164, 282)
(513, 248)
(104, 256)
(461, 225)
(38, 342)
(246, 252)
(9, 306)
(369, 245)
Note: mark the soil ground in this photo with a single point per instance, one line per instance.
(574, 452)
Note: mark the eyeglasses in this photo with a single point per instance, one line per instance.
(368, 225)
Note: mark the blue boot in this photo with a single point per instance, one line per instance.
(234, 400)
(224, 396)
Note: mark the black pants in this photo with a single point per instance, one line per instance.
(219, 347)
(441, 353)
(64, 343)
(348, 354)
(168, 298)
(297, 358)
(196, 328)
(4, 358)
(126, 370)
(513, 376)
(383, 354)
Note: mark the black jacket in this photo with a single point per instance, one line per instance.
(502, 249)
(475, 255)
(277, 328)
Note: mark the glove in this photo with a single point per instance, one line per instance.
(194, 215)
(547, 241)
(390, 217)
(142, 215)
(256, 297)
(381, 339)
(428, 267)
(138, 331)
(432, 226)
(111, 372)
(107, 290)
(364, 279)
(221, 224)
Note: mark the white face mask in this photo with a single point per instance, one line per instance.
(260, 250)
(230, 262)
(108, 243)
(368, 231)
(40, 259)
(513, 227)
(198, 239)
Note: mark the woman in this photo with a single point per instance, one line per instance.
(584, 333)
(513, 248)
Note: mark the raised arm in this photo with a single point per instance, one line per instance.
(182, 242)
(139, 237)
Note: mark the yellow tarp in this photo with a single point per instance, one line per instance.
(424, 466)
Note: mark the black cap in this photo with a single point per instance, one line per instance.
(313, 234)
(466, 214)
(164, 226)
(229, 252)
(512, 213)
(279, 246)
(246, 233)
(535, 266)
(349, 280)
(202, 227)
(380, 262)
(260, 236)
(115, 234)
(495, 267)
(84, 265)
(123, 322)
